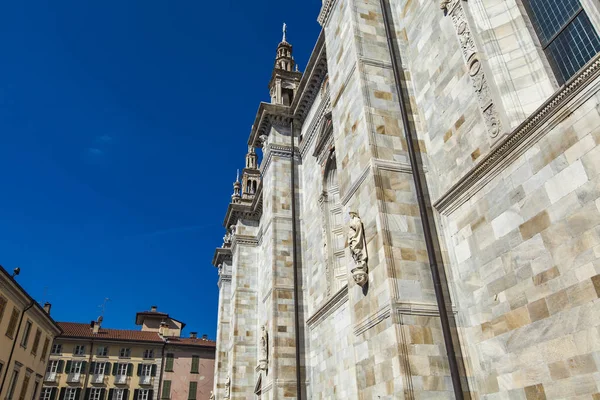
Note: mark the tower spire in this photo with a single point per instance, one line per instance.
(284, 32)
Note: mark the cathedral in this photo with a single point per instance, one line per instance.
(419, 212)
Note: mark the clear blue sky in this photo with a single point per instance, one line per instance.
(122, 123)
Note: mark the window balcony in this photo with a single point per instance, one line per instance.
(74, 377)
(146, 380)
(98, 378)
(51, 377)
(121, 379)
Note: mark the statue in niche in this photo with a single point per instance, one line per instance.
(263, 355)
(227, 387)
(358, 249)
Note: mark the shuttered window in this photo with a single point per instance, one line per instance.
(195, 364)
(2, 307)
(193, 390)
(24, 388)
(166, 390)
(169, 363)
(36, 341)
(45, 348)
(12, 324)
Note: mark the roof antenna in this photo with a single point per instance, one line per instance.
(103, 308)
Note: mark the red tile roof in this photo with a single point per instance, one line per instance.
(78, 330)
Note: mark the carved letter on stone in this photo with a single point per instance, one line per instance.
(263, 355)
(479, 80)
(358, 249)
(227, 387)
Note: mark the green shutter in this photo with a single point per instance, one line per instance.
(139, 370)
(129, 369)
(153, 371)
(115, 369)
(61, 365)
(68, 368)
(83, 367)
(169, 364)
(193, 390)
(92, 368)
(195, 364)
(166, 390)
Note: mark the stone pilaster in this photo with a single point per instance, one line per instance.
(399, 345)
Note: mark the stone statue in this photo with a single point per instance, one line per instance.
(263, 355)
(212, 396)
(227, 387)
(227, 240)
(358, 249)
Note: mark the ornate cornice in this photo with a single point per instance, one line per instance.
(221, 255)
(325, 12)
(542, 121)
(247, 210)
(275, 150)
(243, 240)
(312, 81)
(268, 115)
(328, 307)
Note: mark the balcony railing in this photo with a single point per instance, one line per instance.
(74, 377)
(145, 380)
(121, 379)
(51, 377)
(98, 378)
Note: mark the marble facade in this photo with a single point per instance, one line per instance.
(510, 161)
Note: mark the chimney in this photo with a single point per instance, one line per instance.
(97, 324)
(205, 337)
(153, 309)
(193, 335)
(47, 308)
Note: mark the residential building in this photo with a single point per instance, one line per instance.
(419, 212)
(89, 362)
(26, 333)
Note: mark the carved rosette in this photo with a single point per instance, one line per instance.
(489, 110)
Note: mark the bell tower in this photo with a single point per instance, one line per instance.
(286, 77)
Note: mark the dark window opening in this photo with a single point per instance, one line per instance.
(566, 34)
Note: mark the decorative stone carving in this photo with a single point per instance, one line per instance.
(263, 355)
(227, 240)
(212, 396)
(479, 80)
(264, 139)
(323, 206)
(358, 249)
(228, 387)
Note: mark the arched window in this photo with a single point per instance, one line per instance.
(333, 229)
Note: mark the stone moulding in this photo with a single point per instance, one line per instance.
(221, 255)
(477, 73)
(328, 308)
(577, 90)
(312, 80)
(325, 12)
(355, 186)
(384, 313)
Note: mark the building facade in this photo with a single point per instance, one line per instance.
(26, 334)
(419, 215)
(89, 362)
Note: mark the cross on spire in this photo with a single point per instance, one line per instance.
(284, 32)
